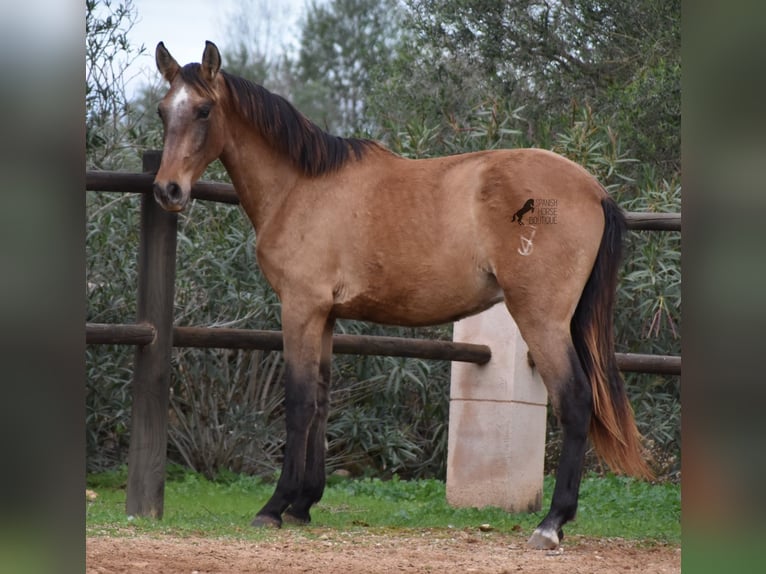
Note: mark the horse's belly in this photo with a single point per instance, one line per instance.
(418, 304)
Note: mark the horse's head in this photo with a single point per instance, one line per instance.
(193, 124)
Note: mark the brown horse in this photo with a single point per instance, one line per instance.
(347, 229)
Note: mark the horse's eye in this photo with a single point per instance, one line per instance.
(203, 112)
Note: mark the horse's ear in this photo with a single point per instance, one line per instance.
(211, 61)
(166, 64)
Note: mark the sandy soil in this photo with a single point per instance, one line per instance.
(334, 552)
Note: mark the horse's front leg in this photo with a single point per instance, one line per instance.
(315, 474)
(305, 415)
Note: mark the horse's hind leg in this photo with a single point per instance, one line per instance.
(574, 404)
(555, 358)
(315, 476)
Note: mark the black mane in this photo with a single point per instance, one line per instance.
(310, 148)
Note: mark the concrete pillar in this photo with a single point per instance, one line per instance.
(497, 420)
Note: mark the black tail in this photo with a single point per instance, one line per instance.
(613, 428)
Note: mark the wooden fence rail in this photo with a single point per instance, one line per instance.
(154, 335)
(224, 338)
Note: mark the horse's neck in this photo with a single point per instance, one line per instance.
(261, 176)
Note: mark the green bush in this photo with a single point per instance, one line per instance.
(111, 284)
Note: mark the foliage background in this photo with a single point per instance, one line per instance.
(598, 82)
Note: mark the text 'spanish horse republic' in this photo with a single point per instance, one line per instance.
(347, 229)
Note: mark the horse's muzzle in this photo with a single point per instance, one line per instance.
(170, 196)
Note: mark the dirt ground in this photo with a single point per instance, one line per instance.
(416, 552)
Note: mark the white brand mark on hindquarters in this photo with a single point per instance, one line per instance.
(526, 242)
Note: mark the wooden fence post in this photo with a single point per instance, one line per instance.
(151, 377)
(497, 417)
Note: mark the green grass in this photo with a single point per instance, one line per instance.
(609, 507)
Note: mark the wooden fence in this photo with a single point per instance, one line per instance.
(154, 335)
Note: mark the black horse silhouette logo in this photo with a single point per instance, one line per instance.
(528, 206)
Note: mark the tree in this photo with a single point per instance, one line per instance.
(621, 58)
(108, 54)
(261, 50)
(344, 46)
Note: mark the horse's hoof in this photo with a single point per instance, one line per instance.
(264, 521)
(544, 539)
(297, 520)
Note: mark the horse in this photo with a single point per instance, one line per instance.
(347, 229)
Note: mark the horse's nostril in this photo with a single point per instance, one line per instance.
(157, 189)
(174, 191)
